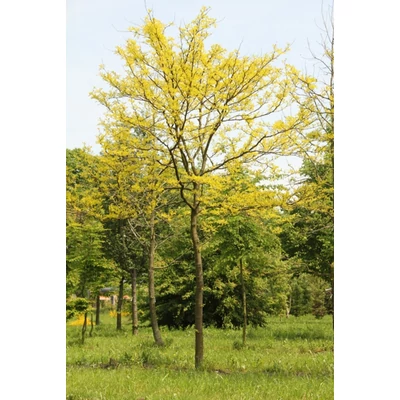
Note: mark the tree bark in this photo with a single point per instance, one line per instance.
(198, 307)
(84, 327)
(288, 306)
(119, 304)
(333, 299)
(98, 309)
(91, 324)
(152, 292)
(135, 321)
(244, 303)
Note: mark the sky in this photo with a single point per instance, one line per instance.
(96, 27)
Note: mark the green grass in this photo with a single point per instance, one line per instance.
(289, 359)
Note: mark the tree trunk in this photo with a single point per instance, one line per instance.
(135, 321)
(333, 299)
(288, 306)
(98, 310)
(198, 307)
(84, 327)
(244, 302)
(91, 324)
(152, 292)
(119, 304)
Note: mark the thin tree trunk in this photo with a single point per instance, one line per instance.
(84, 327)
(98, 310)
(333, 302)
(91, 324)
(244, 302)
(135, 321)
(198, 307)
(152, 292)
(288, 306)
(332, 107)
(119, 304)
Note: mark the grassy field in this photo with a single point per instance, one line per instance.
(289, 359)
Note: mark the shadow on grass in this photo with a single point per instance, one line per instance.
(282, 334)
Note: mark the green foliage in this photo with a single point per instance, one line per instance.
(175, 295)
(309, 296)
(301, 300)
(121, 247)
(319, 297)
(87, 267)
(310, 239)
(76, 307)
(267, 278)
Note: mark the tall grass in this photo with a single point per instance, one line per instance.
(289, 359)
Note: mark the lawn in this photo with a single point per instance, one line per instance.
(288, 359)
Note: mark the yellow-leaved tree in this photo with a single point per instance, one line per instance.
(134, 186)
(205, 107)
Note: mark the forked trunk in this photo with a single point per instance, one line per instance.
(198, 307)
(152, 292)
(135, 321)
(119, 304)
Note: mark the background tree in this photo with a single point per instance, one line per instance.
(134, 187)
(88, 268)
(245, 245)
(311, 234)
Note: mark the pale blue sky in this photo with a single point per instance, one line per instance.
(94, 30)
